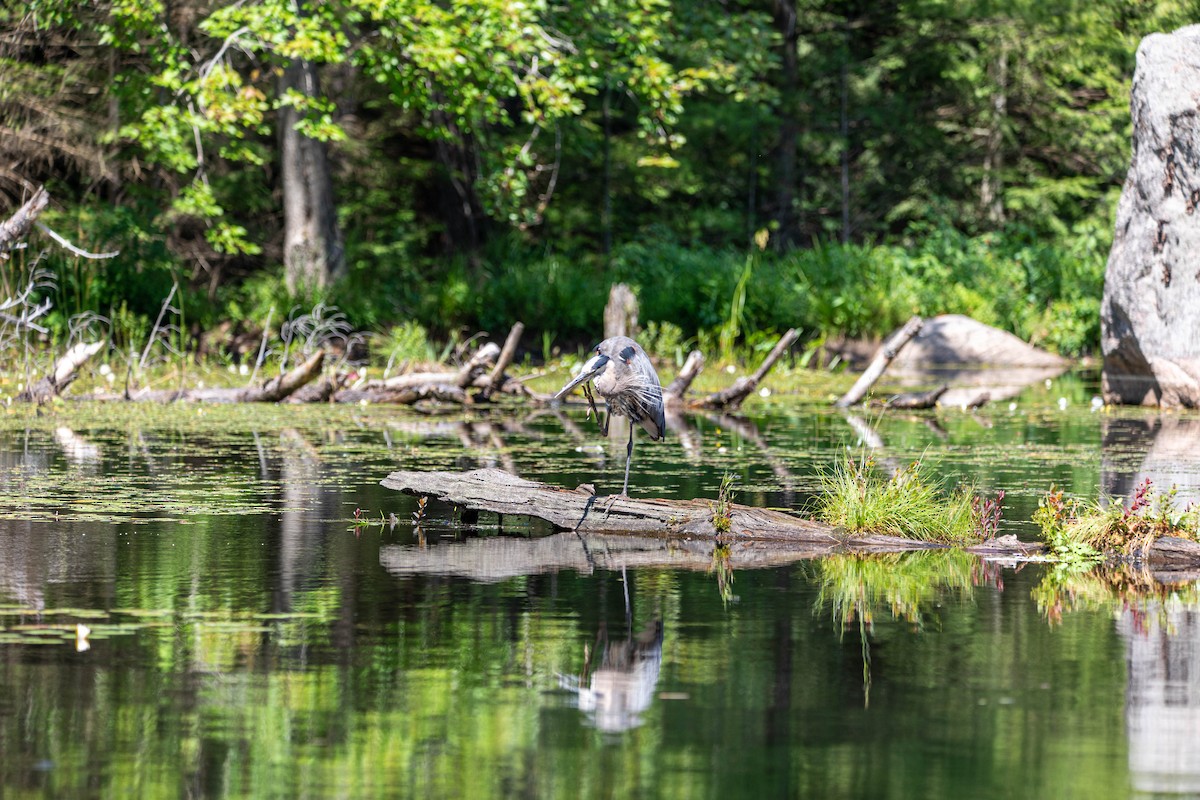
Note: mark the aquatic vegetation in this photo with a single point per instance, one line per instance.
(1111, 588)
(722, 509)
(906, 585)
(908, 504)
(1079, 530)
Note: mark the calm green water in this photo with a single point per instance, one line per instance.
(249, 638)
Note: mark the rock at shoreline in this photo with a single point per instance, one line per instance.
(1150, 317)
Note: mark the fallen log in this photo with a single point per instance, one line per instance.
(408, 395)
(462, 377)
(890, 349)
(582, 511)
(65, 371)
(273, 391)
(915, 400)
(732, 397)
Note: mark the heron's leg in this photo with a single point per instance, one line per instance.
(628, 459)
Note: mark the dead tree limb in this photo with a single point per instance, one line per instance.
(17, 226)
(65, 371)
(506, 356)
(733, 396)
(890, 349)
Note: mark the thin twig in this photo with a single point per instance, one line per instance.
(67, 245)
(158, 322)
(262, 348)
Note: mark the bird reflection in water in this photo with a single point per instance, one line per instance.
(616, 693)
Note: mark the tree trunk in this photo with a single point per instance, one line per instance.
(312, 245)
(991, 196)
(789, 127)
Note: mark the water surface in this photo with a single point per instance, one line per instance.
(265, 621)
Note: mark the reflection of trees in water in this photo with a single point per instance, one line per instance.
(615, 692)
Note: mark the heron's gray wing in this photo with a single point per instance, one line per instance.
(648, 399)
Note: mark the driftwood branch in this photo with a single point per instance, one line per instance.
(17, 226)
(496, 378)
(882, 359)
(64, 373)
(733, 396)
(683, 381)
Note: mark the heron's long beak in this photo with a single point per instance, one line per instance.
(591, 369)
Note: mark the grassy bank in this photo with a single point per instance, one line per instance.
(1045, 290)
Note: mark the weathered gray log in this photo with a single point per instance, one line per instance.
(732, 397)
(16, 227)
(322, 391)
(442, 392)
(507, 352)
(1149, 325)
(273, 391)
(579, 510)
(621, 312)
(463, 377)
(911, 400)
(66, 369)
(890, 349)
(673, 393)
(1172, 551)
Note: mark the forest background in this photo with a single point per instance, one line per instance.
(436, 168)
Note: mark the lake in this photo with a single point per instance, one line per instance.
(223, 602)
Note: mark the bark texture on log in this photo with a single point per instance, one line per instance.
(911, 400)
(579, 510)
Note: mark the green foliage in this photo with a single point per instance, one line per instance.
(1077, 530)
(496, 161)
(908, 504)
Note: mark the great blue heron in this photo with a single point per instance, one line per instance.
(623, 375)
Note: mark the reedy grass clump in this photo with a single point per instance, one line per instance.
(1079, 530)
(909, 504)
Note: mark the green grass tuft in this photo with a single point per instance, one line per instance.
(909, 504)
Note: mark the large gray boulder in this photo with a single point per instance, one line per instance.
(1150, 318)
